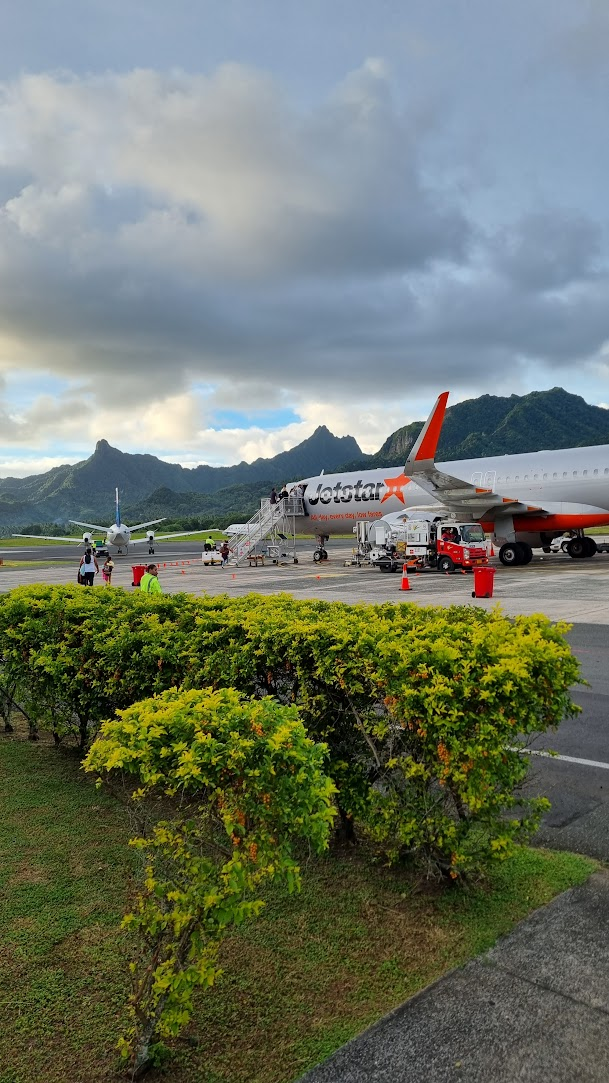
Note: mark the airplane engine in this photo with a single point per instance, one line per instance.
(150, 540)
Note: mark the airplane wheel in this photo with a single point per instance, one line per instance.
(577, 548)
(295, 560)
(510, 554)
(526, 552)
(317, 556)
(591, 548)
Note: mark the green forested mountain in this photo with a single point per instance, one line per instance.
(151, 488)
(86, 489)
(236, 503)
(492, 425)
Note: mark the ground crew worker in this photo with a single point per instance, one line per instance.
(149, 582)
(209, 544)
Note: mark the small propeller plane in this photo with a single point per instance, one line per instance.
(117, 534)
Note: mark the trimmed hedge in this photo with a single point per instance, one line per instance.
(424, 711)
(244, 782)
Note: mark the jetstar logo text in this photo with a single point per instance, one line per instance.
(369, 490)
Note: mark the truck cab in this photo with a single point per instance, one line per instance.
(458, 545)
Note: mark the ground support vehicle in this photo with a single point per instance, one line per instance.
(577, 545)
(440, 544)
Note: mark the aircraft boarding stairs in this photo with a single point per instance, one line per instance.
(274, 524)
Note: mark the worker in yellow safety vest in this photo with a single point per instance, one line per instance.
(149, 583)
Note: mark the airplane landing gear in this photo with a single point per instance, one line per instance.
(320, 552)
(150, 552)
(581, 547)
(513, 553)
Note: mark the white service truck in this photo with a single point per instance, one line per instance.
(421, 542)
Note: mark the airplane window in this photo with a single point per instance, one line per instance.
(564, 473)
(575, 473)
(596, 471)
(526, 477)
(517, 477)
(585, 472)
(554, 475)
(605, 471)
(545, 476)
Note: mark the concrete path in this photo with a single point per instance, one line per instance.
(534, 1009)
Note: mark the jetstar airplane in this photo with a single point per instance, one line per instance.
(524, 501)
(116, 534)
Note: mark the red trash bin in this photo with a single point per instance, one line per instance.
(483, 582)
(137, 571)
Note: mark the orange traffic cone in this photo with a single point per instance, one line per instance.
(405, 585)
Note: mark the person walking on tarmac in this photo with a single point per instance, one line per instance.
(107, 570)
(224, 552)
(209, 545)
(88, 568)
(149, 582)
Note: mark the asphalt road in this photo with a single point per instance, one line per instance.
(138, 554)
(579, 792)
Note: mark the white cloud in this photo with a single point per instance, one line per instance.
(162, 232)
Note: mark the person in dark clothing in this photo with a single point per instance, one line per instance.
(88, 568)
(283, 495)
(273, 497)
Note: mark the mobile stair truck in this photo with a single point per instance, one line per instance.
(422, 543)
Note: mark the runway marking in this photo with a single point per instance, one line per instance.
(566, 759)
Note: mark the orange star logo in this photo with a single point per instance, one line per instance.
(395, 486)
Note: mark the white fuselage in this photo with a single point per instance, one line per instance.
(119, 535)
(572, 485)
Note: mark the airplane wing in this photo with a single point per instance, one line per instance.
(461, 497)
(89, 526)
(50, 537)
(163, 537)
(153, 522)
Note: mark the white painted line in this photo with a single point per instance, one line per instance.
(567, 759)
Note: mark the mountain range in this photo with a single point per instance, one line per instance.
(150, 487)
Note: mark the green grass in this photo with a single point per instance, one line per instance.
(312, 972)
(25, 543)
(32, 564)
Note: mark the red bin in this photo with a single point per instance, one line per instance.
(137, 571)
(483, 582)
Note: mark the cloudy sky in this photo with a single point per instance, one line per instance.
(224, 223)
